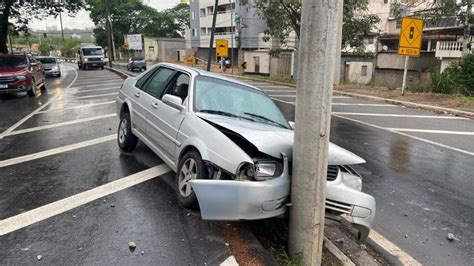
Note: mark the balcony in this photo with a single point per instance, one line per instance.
(449, 49)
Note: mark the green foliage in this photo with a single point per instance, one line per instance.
(284, 16)
(445, 82)
(466, 75)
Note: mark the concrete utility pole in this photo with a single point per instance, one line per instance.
(62, 30)
(317, 55)
(231, 37)
(211, 42)
(337, 65)
(467, 31)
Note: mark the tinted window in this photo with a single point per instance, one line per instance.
(92, 51)
(47, 60)
(141, 81)
(158, 82)
(13, 61)
(180, 86)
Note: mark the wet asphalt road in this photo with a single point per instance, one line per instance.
(79, 108)
(420, 169)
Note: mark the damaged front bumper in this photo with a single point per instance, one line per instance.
(243, 200)
(253, 200)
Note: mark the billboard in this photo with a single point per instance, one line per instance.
(134, 41)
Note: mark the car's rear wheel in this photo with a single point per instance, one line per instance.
(126, 140)
(32, 90)
(190, 167)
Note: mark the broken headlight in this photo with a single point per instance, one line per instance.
(259, 171)
(265, 170)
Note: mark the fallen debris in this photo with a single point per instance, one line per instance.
(451, 237)
(132, 245)
(39, 257)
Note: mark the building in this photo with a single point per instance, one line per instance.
(158, 49)
(233, 20)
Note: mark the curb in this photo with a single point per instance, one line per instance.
(432, 108)
(118, 72)
(337, 253)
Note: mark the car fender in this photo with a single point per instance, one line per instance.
(194, 131)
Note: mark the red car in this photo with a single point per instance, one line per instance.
(20, 72)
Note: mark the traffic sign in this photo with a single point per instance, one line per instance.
(411, 35)
(222, 48)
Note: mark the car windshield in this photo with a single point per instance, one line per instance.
(92, 51)
(13, 61)
(137, 59)
(47, 60)
(226, 98)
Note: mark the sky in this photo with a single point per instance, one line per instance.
(82, 20)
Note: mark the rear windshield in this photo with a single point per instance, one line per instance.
(13, 61)
(47, 60)
(92, 51)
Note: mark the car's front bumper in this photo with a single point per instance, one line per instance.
(243, 200)
(19, 86)
(52, 72)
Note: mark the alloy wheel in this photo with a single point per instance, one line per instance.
(188, 172)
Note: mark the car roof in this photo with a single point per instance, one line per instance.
(201, 72)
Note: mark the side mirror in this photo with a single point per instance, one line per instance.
(173, 101)
(292, 124)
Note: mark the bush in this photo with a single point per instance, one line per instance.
(445, 82)
(466, 75)
(457, 78)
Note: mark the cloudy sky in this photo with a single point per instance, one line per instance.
(82, 20)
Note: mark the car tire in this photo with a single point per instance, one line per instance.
(190, 167)
(32, 90)
(59, 75)
(143, 69)
(125, 138)
(102, 67)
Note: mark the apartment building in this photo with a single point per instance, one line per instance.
(233, 20)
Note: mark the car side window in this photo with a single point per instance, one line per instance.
(141, 81)
(179, 86)
(158, 83)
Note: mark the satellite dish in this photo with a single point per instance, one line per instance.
(385, 48)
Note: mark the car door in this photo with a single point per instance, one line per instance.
(164, 121)
(137, 96)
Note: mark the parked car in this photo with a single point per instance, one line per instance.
(230, 146)
(51, 65)
(136, 63)
(19, 73)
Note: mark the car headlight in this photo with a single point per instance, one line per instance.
(86, 59)
(55, 68)
(264, 170)
(21, 77)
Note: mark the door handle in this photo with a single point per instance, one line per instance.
(154, 105)
(137, 94)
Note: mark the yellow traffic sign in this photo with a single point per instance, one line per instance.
(222, 48)
(411, 35)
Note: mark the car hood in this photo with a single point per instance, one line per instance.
(10, 71)
(273, 140)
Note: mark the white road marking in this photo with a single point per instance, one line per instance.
(44, 212)
(230, 261)
(72, 122)
(76, 86)
(365, 104)
(37, 110)
(102, 89)
(401, 115)
(41, 154)
(433, 131)
(294, 96)
(79, 106)
(407, 135)
(393, 249)
(97, 95)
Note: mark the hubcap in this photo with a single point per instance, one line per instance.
(188, 172)
(122, 134)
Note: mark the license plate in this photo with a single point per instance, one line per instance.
(3, 86)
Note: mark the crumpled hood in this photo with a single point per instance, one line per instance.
(274, 140)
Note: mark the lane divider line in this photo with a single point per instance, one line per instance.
(41, 154)
(25, 219)
(407, 135)
(96, 84)
(71, 122)
(23, 120)
(98, 95)
(433, 131)
(402, 115)
(74, 107)
(366, 104)
(102, 89)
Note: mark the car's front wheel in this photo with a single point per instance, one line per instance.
(126, 140)
(190, 167)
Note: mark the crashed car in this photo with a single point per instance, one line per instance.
(230, 146)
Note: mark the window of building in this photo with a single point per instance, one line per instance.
(202, 12)
(194, 33)
(203, 31)
(210, 10)
(193, 15)
(363, 71)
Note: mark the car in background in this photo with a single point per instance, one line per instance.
(90, 56)
(230, 146)
(51, 65)
(20, 73)
(136, 63)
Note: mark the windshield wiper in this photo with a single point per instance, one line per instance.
(266, 119)
(218, 112)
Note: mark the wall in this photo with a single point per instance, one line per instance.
(150, 42)
(392, 60)
(354, 72)
(445, 62)
(345, 58)
(393, 78)
(169, 47)
(282, 66)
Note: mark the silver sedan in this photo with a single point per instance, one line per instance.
(229, 145)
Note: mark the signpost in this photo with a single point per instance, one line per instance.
(409, 45)
(222, 48)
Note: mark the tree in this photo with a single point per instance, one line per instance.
(22, 12)
(284, 16)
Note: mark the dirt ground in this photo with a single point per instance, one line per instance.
(464, 103)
